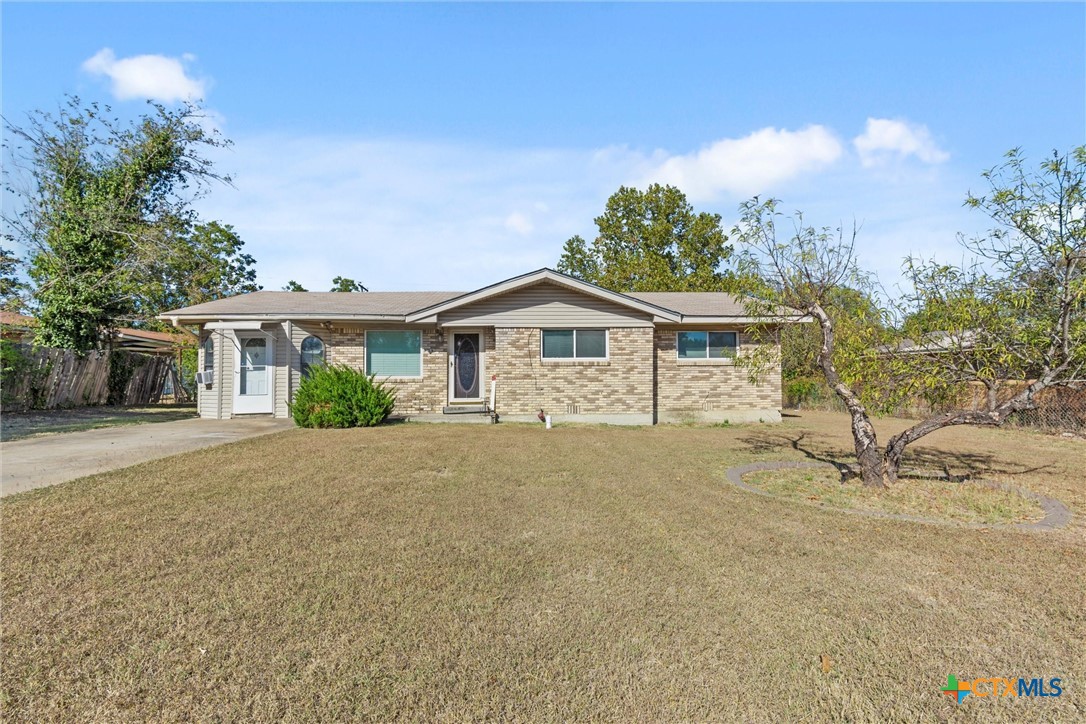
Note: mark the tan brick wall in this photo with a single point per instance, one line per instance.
(685, 386)
(347, 345)
(622, 384)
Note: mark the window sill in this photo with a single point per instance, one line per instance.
(576, 362)
(397, 379)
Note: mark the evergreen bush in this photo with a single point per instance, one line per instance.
(339, 396)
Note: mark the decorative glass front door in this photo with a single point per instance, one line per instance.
(253, 375)
(466, 366)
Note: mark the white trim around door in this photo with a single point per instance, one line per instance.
(467, 366)
(254, 374)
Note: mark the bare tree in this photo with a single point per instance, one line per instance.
(1013, 321)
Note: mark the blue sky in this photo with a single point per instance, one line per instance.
(447, 146)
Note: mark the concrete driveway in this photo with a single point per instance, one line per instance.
(50, 459)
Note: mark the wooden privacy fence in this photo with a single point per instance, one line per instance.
(45, 379)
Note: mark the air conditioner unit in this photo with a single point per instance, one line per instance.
(205, 377)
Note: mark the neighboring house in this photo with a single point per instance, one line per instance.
(552, 342)
(150, 342)
(936, 343)
(20, 328)
(16, 327)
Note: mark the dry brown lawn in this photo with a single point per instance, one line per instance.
(456, 572)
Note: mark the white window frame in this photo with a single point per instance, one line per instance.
(707, 359)
(204, 366)
(606, 344)
(301, 354)
(366, 355)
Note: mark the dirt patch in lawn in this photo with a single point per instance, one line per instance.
(468, 572)
(18, 425)
(940, 500)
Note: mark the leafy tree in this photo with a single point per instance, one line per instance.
(343, 284)
(12, 288)
(651, 240)
(800, 343)
(103, 202)
(1014, 322)
(203, 263)
(293, 286)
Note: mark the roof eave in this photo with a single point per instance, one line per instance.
(740, 319)
(176, 319)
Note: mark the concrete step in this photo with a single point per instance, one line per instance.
(464, 410)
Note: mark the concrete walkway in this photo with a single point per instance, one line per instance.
(50, 459)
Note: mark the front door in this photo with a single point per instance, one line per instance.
(253, 367)
(466, 367)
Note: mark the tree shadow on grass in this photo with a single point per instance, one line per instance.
(920, 462)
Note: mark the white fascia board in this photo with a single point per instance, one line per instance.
(541, 275)
(689, 320)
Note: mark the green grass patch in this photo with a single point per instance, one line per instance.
(961, 502)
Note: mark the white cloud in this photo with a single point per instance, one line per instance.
(141, 77)
(401, 214)
(884, 139)
(754, 164)
(519, 223)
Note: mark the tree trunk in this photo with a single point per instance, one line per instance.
(867, 450)
(863, 432)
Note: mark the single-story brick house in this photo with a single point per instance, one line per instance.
(552, 342)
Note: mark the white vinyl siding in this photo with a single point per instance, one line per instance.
(292, 365)
(574, 344)
(394, 353)
(545, 305)
(208, 395)
(281, 369)
(225, 348)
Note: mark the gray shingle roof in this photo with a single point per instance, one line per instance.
(694, 304)
(362, 304)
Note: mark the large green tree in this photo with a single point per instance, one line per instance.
(651, 240)
(1013, 321)
(204, 262)
(106, 210)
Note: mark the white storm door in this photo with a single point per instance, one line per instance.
(253, 365)
(465, 367)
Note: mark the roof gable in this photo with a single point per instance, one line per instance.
(537, 277)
